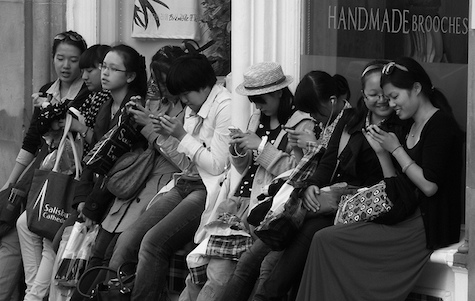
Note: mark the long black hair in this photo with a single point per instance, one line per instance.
(405, 79)
(134, 62)
(93, 56)
(286, 105)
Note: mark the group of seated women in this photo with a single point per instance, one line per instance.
(208, 177)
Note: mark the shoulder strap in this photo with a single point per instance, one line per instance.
(344, 138)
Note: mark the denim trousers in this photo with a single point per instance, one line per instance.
(281, 271)
(38, 259)
(164, 228)
(246, 273)
(218, 272)
(10, 266)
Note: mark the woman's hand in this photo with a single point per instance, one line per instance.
(140, 114)
(309, 198)
(89, 222)
(299, 138)
(38, 100)
(246, 141)
(76, 126)
(172, 126)
(375, 135)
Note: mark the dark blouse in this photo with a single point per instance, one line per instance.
(33, 141)
(439, 152)
(357, 164)
(89, 189)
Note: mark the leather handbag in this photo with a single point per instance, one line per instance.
(12, 201)
(115, 289)
(286, 214)
(130, 173)
(365, 205)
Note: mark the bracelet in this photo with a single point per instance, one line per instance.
(396, 148)
(238, 153)
(261, 146)
(404, 169)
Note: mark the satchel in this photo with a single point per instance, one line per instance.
(130, 173)
(287, 214)
(51, 193)
(116, 289)
(366, 205)
(12, 201)
(404, 196)
(116, 142)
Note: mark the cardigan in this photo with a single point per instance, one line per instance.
(439, 152)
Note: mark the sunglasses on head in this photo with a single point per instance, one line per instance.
(70, 36)
(389, 68)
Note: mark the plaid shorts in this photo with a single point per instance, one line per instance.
(228, 247)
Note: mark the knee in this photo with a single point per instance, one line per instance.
(151, 248)
(21, 223)
(324, 235)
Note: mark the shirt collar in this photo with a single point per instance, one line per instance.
(74, 89)
(206, 106)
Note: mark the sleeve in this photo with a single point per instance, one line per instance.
(96, 196)
(168, 146)
(212, 158)
(440, 139)
(32, 140)
(276, 161)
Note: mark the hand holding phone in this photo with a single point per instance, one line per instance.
(234, 130)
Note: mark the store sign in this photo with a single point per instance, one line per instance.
(429, 30)
(393, 21)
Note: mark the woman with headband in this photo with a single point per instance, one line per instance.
(374, 261)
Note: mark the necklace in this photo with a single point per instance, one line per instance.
(415, 129)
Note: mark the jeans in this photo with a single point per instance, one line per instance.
(245, 275)
(164, 228)
(38, 259)
(10, 266)
(282, 271)
(218, 271)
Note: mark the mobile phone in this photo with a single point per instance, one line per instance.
(234, 130)
(287, 127)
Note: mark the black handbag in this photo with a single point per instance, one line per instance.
(115, 289)
(12, 202)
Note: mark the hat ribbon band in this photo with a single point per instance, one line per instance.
(282, 79)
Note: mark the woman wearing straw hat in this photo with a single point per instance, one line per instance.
(324, 97)
(259, 155)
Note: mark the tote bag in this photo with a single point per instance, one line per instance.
(51, 193)
(116, 142)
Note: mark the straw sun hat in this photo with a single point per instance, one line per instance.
(262, 78)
